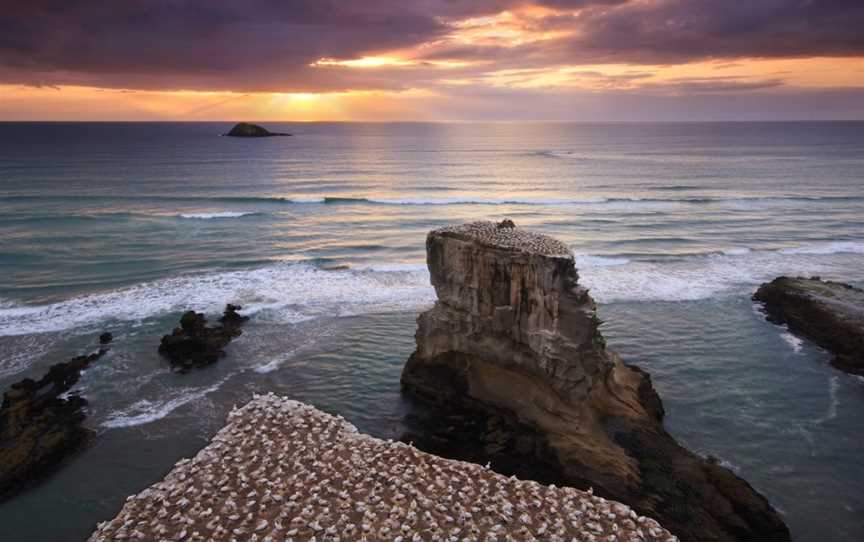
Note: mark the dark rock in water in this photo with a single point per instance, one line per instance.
(105, 338)
(231, 318)
(511, 368)
(831, 314)
(195, 344)
(244, 129)
(506, 223)
(38, 427)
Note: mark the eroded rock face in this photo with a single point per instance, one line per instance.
(831, 314)
(512, 348)
(40, 425)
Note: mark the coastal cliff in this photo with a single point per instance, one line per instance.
(513, 346)
(831, 314)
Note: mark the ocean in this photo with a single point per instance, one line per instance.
(320, 237)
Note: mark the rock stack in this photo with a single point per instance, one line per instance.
(195, 344)
(513, 342)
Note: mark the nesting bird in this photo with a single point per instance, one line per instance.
(508, 237)
(283, 470)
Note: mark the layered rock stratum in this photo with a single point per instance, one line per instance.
(281, 470)
(512, 345)
(831, 314)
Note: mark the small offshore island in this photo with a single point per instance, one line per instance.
(513, 340)
(245, 129)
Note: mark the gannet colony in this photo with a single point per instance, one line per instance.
(283, 470)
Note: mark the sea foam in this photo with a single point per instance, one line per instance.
(146, 411)
(220, 214)
(829, 247)
(293, 292)
(281, 292)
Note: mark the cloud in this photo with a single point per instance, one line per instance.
(202, 44)
(274, 45)
(676, 30)
(710, 85)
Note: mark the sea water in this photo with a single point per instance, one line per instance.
(320, 236)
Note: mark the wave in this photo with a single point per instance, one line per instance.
(582, 201)
(146, 411)
(705, 276)
(833, 400)
(282, 292)
(554, 154)
(677, 187)
(828, 247)
(736, 251)
(219, 214)
(794, 342)
(457, 200)
(586, 260)
(290, 292)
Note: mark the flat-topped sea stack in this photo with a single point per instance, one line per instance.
(513, 341)
(245, 129)
(281, 470)
(831, 314)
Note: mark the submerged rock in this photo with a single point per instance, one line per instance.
(195, 344)
(511, 368)
(39, 425)
(245, 129)
(831, 314)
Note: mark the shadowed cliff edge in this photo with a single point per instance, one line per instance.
(510, 367)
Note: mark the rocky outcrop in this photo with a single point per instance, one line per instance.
(281, 470)
(40, 425)
(512, 349)
(195, 344)
(245, 129)
(831, 314)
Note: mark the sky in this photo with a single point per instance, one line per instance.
(432, 60)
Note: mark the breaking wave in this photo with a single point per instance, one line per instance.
(460, 200)
(146, 411)
(294, 292)
(697, 277)
(220, 214)
(282, 292)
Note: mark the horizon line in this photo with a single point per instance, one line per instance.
(490, 121)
